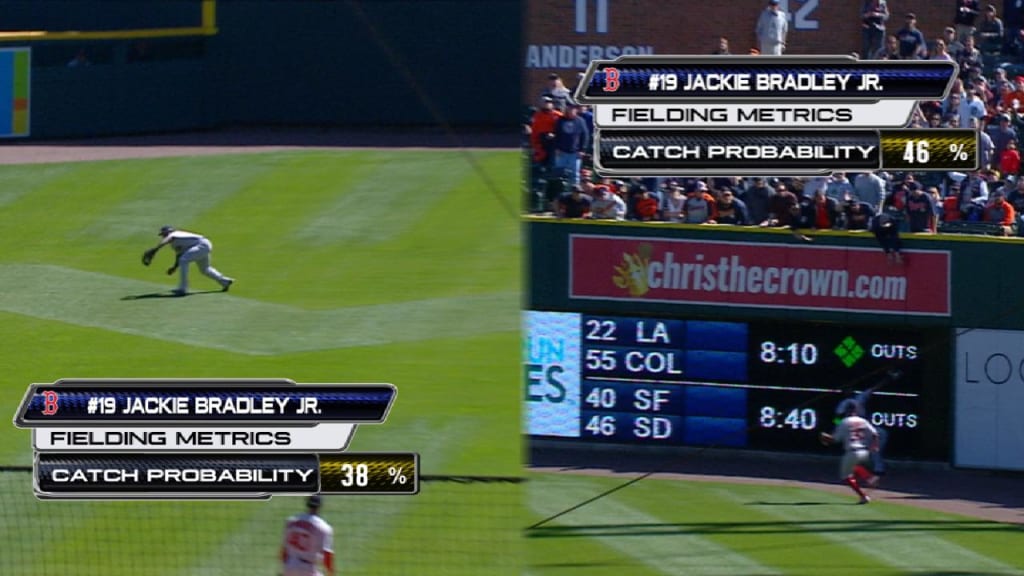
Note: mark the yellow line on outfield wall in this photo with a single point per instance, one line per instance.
(43, 35)
(208, 28)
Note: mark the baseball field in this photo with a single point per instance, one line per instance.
(395, 266)
(694, 526)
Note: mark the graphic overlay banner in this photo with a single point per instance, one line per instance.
(882, 114)
(254, 476)
(734, 274)
(370, 473)
(659, 78)
(325, 437)
(754, 152)
(77, 475)
(192, 401)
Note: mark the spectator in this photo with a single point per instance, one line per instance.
(780, 209)
(966, 14)
(954, 209)
(969, 56)
(939, 52)
(986, 147)
(920, 210)
(700, 207)
(839, 186)
(1001, 137)
(772, 28)
(674, 202)
(1001, 212)
(1016, 199)
(980, 83)
(823, 211)
(570, 143)
(607, 205)
(857, 215)
(951, 105)
(975, 187)
(912, 42)
(1016, 95)
(542, 133)
(874, 15)
(953, 44)
(990, 32)
(999, 80)
(887, 232)
(972, 106)
(870, 188)
(731, 210)
(757, 198)
(557, 91)
(723, 47)
(891, 49)
(573, 204)
(645, 206)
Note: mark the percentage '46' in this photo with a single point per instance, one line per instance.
(916, 152)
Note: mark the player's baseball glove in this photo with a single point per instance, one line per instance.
(147, 256)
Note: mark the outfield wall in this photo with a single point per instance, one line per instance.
(965, 286)
(302, 62)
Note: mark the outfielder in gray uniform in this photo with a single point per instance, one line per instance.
(189, 247)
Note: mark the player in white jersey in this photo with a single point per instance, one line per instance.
(190, 247)
(859, 438)
(307, 541)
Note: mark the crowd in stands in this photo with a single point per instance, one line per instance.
(988, 96)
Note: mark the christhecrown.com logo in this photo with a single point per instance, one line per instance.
(849, 351)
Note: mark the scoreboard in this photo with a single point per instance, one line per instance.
(759, 384)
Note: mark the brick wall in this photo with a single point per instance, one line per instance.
(691, 27)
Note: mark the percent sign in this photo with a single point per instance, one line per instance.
(958, 151)
(396, 475)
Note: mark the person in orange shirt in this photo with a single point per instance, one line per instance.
(1001, 212)
(542, 132)
(1016, 94)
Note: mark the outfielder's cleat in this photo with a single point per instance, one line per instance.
(864, 500)
(178, 292)
(227, 284)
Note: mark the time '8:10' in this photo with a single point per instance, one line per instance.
(795, 353)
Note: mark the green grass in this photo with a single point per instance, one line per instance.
(354, 266)
(659, 526)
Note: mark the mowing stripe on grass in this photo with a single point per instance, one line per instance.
(362, 524)
(21, 180)
(910, 549)
(176, 191)
(392, 195)
(227, 322)
(669, 554)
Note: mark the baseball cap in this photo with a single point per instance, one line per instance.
(547, 99)
(165, 230)
(911, 16)
(314, 501)
(773, 2)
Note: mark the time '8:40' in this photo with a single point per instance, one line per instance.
(795, 353)
(797, 419)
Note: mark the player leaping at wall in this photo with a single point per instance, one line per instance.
(859, 439)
